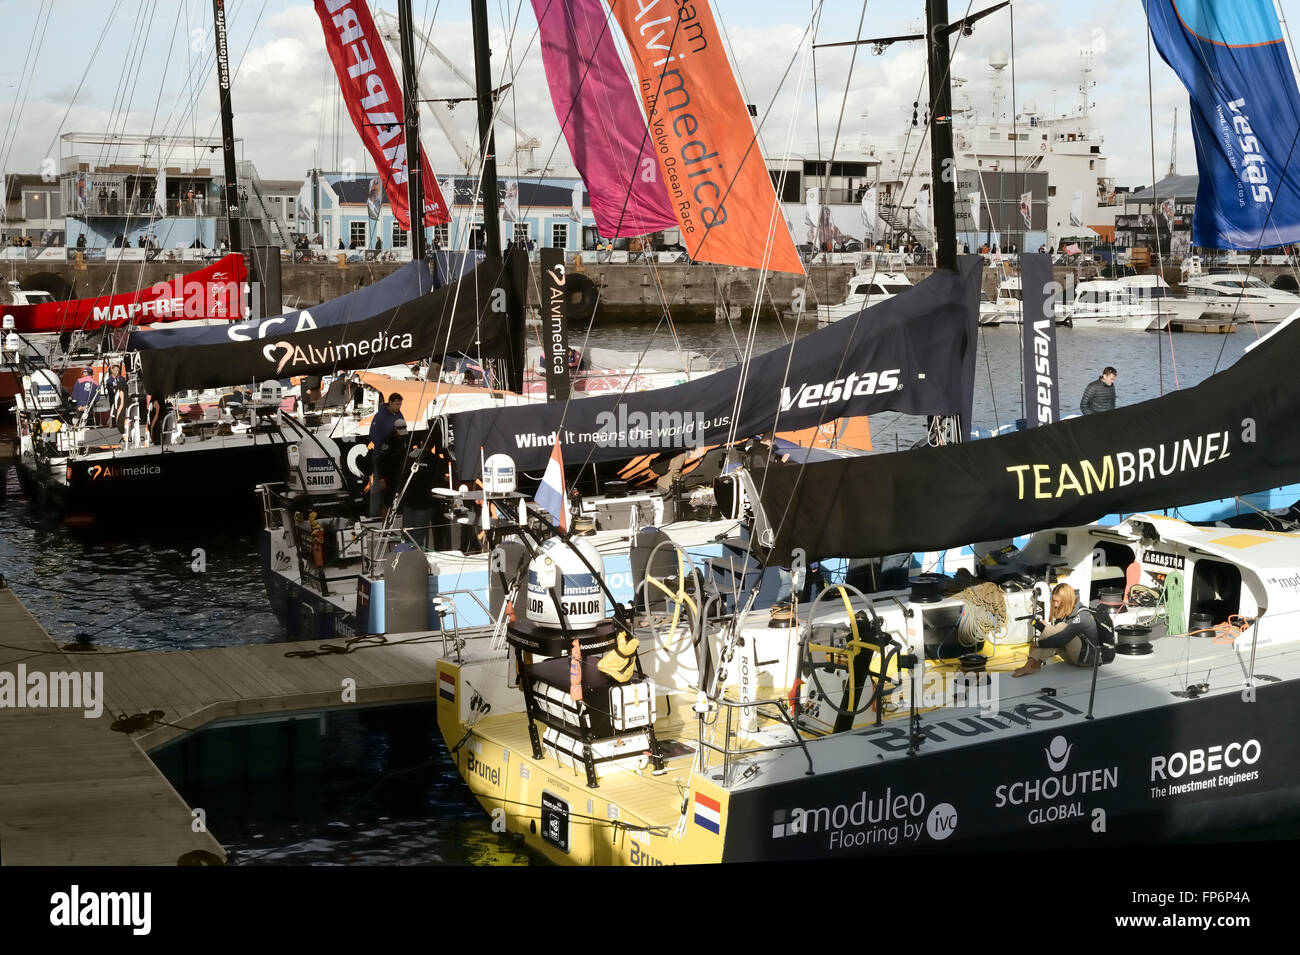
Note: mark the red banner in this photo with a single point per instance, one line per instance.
(717, 181)
(374, 99)
(215, 292)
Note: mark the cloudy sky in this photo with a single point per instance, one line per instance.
(145, 66)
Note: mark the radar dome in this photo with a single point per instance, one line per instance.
(998, 59)
(557, 563)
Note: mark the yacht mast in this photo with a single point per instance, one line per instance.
(227, 127)
(943, 165)
(411, 113)
(483, 80)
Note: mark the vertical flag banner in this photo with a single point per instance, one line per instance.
(1076, 209)
(1042, 392)
(1232, 57)
(306, 205)
(869, 213)
(511, 211)
(706, 144)
(374, 100)
(1027, 209)
(974, 199)
(812, 214)
(160, 191)
(575, 206)
(555, 339)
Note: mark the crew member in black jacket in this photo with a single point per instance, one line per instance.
(1100, 394)
(1072, 634)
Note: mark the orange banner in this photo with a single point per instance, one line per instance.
(717, 180)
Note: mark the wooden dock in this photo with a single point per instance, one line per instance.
(74, 791)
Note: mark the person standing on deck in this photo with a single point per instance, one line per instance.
(382, 427)
(1100, 394)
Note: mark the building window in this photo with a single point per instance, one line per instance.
(357, 234)
(1051, 191)
(521, 232)
(441, 234)
(559, 235)
(399, 237)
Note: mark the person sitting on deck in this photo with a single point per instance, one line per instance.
(1072, 634)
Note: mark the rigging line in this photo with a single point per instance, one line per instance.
(90, 62)
(911, 173)
(140, 269)
(947, 72)
(1024, 180)
(651, 265)
(776, 217)
(119, 94)
(1210, 72)
(1155, 210)
(747, 358)
(1155, 218)
(803, 465)
(591, 44)
(853, 59)
(15, 123)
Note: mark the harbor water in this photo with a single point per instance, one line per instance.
(381, 787)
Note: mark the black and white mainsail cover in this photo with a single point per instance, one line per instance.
(1235, 433)
(467, 316)
(914, 353)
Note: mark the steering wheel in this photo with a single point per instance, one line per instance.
(853, 645)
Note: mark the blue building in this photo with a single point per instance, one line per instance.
(354, 211)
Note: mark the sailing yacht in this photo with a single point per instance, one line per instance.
(881, 715)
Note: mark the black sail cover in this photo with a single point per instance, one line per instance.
(914, 353)
(468, 315)
(1235, 433)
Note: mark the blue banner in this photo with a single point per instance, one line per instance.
(1231, 56)
(407, 283)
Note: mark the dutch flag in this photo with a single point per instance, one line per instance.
(550, 494)
(708, 813)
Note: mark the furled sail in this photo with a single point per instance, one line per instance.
(374, 99)
(465, 316)
(1232, 57)
(215, 291)
(1235, 433)
(715, 175)
(601, 119)
(913, 353)
(411, 281)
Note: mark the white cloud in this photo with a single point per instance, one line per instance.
(287, 106)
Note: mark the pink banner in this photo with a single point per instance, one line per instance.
(374, 99)
(601, 117)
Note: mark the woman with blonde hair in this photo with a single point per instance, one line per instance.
(1071, 634)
